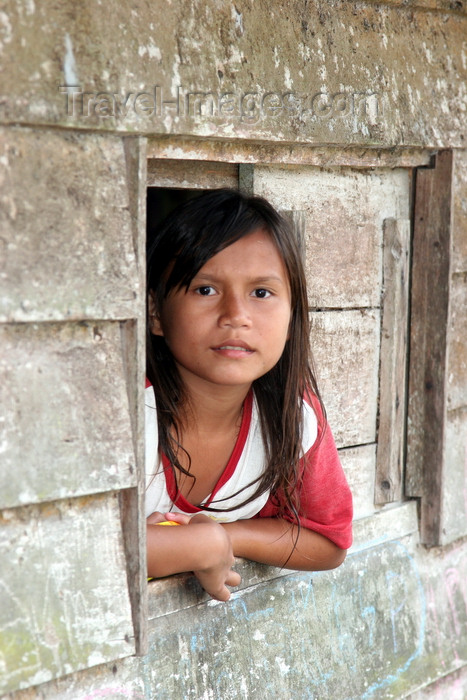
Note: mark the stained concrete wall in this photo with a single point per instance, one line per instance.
(332, 105)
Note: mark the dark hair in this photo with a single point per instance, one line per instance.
(189, 237)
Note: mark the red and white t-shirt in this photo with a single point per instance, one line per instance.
(325, 498)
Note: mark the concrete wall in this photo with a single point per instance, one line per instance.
(328, 109)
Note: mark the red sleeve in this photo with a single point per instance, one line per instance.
(325, 497)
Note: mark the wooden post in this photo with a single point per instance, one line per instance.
(393, 361)
(133, 338)
(428, 342)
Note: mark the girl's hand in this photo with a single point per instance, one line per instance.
(179, 518)
(204, 548)
(217, 572)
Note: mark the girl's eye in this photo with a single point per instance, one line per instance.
(261, 293)
(205, 290)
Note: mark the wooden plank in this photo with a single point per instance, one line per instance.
(132, 500)
(134, 358)
(346, 351)
(454, 496)
(459, 228)
(389, 524)
(332, 618)
(393, 363)
(135, 150)
(67, 248)
(428, 333)
(448, 685)
(176, 593)
(457, 343)
(229, 151)
(359, 467)
(454, 505)
(66, 426)
(345, 211)
(133, 339)
(64, 601)
(181, 174)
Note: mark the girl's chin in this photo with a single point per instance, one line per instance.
(223, 374)
(221, 380)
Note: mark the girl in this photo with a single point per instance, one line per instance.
(238, 451)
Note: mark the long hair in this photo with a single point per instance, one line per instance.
(188, 238)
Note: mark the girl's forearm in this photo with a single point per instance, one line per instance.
(274, 541)
(169, 551)
(174, 550)
(202, 547)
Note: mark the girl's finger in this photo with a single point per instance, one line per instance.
(155, 518)
(177, 518)
(233, 579)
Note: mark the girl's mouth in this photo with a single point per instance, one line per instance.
(234, 347)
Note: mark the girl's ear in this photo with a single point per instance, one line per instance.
(154, 320)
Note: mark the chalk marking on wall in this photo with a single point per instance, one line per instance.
(316, 623)
(392, 678)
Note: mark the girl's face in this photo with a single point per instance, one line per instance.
(231, 325)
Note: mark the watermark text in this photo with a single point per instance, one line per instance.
(249, 107)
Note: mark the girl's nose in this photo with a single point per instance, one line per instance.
(234, 312)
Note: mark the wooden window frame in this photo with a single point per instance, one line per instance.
(409, 462)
